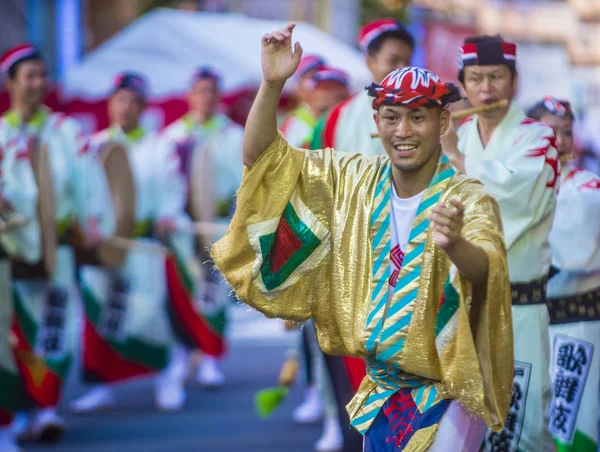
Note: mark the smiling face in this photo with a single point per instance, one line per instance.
(410, 137)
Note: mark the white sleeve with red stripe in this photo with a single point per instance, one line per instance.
(524, 180)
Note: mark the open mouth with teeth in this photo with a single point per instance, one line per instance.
(406, 147)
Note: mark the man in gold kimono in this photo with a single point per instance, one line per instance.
(398, 259)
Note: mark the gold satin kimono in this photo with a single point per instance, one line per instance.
(311, 238)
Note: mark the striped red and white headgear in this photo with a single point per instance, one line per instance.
(132, 81)
(309, 63)
(17, 54)
(375, 29)
(413, 87)
(487, 52)
(554, 106)
(328, 74)
(208, 72)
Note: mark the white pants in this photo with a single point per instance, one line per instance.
(459, 430)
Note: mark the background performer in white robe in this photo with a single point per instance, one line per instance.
(516, 159)
(45, 310)
(387, 45)
(210, 146)
(574, 292)
(127, 333)
(19, 194)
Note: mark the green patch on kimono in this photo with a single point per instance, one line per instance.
(448, 307)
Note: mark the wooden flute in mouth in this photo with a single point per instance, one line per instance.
(461, 114)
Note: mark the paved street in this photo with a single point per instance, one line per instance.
(211, 421)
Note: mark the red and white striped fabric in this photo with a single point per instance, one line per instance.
(488, 53)
(16, 54)
(374, 29)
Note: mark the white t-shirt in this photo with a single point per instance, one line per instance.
(403, 215)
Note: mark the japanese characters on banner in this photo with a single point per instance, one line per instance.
(571, 361)
(507, 440)
(51, 340)
(113, 317)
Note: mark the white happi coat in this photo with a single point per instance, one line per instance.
(223, 139)
(520, 167)
(575, 240)
(298, 126)
(75, 176)
(19, 189)
(575, 234)
(160, 193)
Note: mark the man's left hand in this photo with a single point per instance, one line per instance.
(447, 222)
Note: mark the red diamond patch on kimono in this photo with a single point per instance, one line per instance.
(287, 247)
(286, 242)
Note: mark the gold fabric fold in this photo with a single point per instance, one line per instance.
(470, 360)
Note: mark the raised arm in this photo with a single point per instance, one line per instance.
(279, 63)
